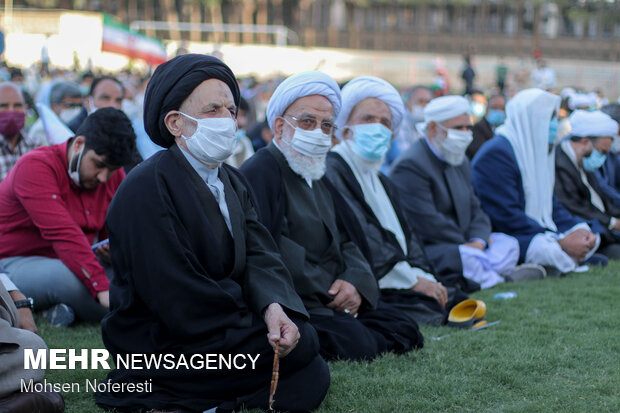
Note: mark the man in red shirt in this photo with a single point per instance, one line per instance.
(52, 208)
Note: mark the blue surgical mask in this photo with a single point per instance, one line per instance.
(240, 134)
(478, 109)
(553, 130)
(594, 161)
(496, 117)
(371, 141)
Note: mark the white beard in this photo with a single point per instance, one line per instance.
(305, 166)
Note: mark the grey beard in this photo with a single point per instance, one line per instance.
(305, 166)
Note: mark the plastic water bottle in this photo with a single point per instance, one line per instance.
(508, 295)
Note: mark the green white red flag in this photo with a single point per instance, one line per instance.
(118, 38)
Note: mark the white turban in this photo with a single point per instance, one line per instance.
(365, 87)
(446, 107)
(580, 100)
(301, 85)
(597, 123)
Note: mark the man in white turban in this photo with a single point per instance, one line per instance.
(371, 111)
(576, 185)
(514, 176)
(434, 182)
(329, 272)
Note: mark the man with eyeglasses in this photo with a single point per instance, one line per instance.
(576, 186)
(433, 178)
(308, 222)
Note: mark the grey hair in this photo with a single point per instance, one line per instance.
(62, 90)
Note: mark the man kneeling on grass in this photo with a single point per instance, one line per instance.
(196, 274)
(53, 205)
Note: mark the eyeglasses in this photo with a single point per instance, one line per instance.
(310, 124)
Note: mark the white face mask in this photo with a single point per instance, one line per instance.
(452, 149)
(67, 115)
(417, 112)
(313, 144)
(75, 174)
(214, 140)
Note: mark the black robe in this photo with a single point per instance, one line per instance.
(382, 250)
(184, 285)
(317, 251)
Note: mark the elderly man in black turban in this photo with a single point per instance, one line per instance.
(198, 278)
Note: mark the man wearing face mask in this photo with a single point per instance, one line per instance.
(308, 222)
(576, 186)
(52, 208)
(608, 175)
(440, 203)
(407, 133)
(484, 129)
(105, 91)
(371, 110)
(65, 102)
(514, 176)
(195, 272)
(13, 143)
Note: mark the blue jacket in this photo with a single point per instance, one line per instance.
(497, 180)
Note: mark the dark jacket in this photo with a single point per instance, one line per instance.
(439, 204)
(379, 245)
(575, 195)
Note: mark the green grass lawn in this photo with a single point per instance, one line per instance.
(557, 348)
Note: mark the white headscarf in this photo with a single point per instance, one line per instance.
(365, 87)
(528, 116)
(301, 85)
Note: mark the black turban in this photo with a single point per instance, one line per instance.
(172, 82)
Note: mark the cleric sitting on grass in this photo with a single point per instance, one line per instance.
(371, 110)
(330, 273)
(196, 273)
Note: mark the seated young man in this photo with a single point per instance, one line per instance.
(52, 208)
(195, 273)
(371, 110)
(330, 274)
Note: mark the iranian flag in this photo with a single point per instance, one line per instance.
(118, 38)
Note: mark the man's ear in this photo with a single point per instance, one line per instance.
(278, 126)
(174, 123)
(347, 133)
(78, 143)
(431, 129)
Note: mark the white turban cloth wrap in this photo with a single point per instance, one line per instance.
(584, 123)
(301, 85)
(365, 87)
